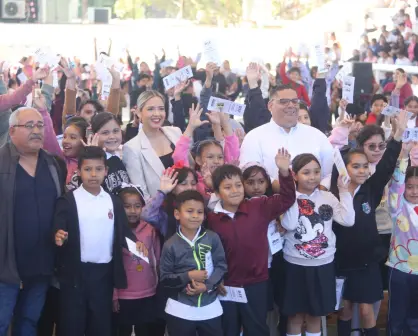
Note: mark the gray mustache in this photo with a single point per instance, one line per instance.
(36, 136)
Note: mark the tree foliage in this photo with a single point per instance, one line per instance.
(206, 11)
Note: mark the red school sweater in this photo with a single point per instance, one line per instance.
(244, 237)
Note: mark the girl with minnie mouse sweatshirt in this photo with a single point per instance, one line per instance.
(309, 284)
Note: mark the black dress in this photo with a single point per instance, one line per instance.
(167, 159)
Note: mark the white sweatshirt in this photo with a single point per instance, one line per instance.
(309, 240)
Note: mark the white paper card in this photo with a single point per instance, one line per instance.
(348, 88)
(209, 263)
(319, 54)
(108, 62)
(392, 111)
(55, 82)
(166, 63)
(22, 77)
(274, 238)
(235, 294)
(211, 53)
(133, 250)
(410, 134)
(346, 70)
(339, 163)
(44, 56)
(226, 106)
(339, 292)
(177, 77)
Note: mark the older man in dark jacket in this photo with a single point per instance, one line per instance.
(30, 182)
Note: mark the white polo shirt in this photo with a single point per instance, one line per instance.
(96, 221)
(262, 143)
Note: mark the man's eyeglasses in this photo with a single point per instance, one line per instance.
(286, 101)
(31, 125)
(372, 147)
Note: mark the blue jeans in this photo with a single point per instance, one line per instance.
(403, 304)
(25, 306)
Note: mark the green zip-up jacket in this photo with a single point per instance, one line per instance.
(179, 257)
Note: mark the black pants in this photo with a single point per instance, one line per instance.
(87, 309)
(50, 314)
(179, 327)
(251, 315)
(147, 329)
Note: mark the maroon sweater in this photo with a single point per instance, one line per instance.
(244, 237)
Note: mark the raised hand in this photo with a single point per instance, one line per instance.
(168, 181)
(38, 100)
(210, 69)
(347, 122)
(406, 148)
(194, 117)
(214, 117)
(41, 73)
(66, 68)
(253, 74)
(283, 161)
(179, 88)
(343, 104)
(401, 122)
(114, 73)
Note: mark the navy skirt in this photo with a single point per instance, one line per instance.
(363, 285)
(308, 290)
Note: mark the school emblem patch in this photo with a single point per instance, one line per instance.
(366, 208)
(110, 214)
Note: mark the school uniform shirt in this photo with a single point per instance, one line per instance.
(80, 246)
(244, 233)
(309, 240)
(96, 223)
(262, 143)
(361, 245)
(404, 243)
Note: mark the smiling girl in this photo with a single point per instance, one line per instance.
(359, 249)
(309, 248)
(403, 255)
(108, 134)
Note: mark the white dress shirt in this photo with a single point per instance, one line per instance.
(96, 221)
(262, 143)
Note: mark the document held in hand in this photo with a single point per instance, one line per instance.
(211, 53)
(226, 106)
(339, 163)
(235, 294)
(177, 77)
(348, 88)
(133, 250)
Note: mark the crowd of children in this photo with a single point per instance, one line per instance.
(205, 245)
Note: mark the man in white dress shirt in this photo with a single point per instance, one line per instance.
(283, 130)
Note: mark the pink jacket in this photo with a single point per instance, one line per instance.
(8, 101)
(339, 137)
(143, 283)
(231, 154)
(413, 155)
(52, 146)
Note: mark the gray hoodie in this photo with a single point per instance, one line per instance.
(179, 257)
